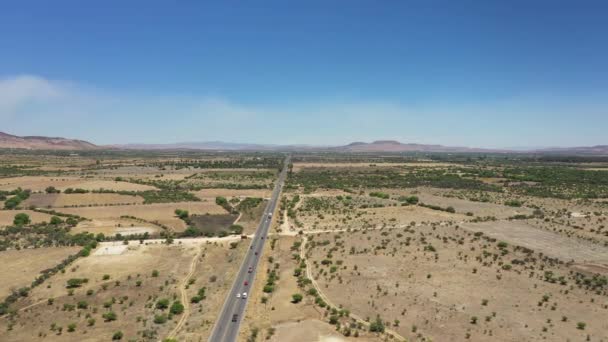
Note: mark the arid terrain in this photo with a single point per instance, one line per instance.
(145, 247)
(436, 251)
(126, 246)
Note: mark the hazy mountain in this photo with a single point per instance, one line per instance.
(43, 143)
(590, 150)
(395, 146)
(57, 143)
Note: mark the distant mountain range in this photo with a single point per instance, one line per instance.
(43, 143)
(47, 143)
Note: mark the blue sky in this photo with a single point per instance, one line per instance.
(472, 73)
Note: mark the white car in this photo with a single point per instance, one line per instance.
(238, 295)
(244, 295)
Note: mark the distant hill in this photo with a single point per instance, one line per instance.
(43, 143)
(395, 146)
(376, 146)
(54, 143)
(598, 150)
(206, 145)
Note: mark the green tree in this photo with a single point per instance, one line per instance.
(160, 319)
(109, 316)
(21, 219)
(296, 298)
(377, 325)
(162, 304)
(52, 190)
(55, 220)
(177, 308)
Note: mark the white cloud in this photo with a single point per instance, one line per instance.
(32, 105)
(22, 90)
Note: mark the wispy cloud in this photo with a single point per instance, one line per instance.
(17, 92)
(35, 105)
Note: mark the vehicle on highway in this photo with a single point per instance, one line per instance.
(256, 253)
(238, 295)
(269, 216)
(244, 295)
(250, 269)
(246, 283)
(234, 317)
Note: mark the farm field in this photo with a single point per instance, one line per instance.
(40, 183)
(163, 213)
(44, 200)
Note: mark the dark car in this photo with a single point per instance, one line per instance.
(234, 317)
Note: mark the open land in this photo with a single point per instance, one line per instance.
(364, 247)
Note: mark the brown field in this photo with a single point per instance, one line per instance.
(43, 200)
(40, 183)
(24, 265)
(164, 213)
(110, 227)
(7, 216)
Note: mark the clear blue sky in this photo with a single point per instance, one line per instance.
(474, 73)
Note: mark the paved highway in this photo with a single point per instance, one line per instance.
(226, 327)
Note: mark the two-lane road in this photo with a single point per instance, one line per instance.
(226, 327)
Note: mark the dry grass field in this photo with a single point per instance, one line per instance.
(40, 183)
(20, 267)
(7, 216)
(123, 226)
(163, 213)
(44, 200)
